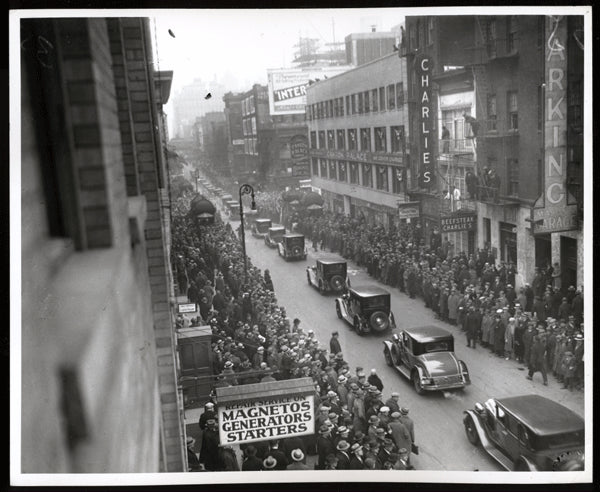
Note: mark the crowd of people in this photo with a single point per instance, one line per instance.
(255, 341)
(540, 325)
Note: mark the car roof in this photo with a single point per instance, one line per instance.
(262, 220)
(368, 291)
(293, 234)
(542, 415)
(331, 262)
(277, 228)
(427, 333)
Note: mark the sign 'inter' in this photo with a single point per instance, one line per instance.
(423, 70)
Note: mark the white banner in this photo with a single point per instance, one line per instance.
(266, 419)
(287, 87)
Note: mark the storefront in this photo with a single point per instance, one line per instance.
(459, 229)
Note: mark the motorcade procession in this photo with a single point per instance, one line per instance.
(357, 425)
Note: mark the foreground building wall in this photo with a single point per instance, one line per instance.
(98, 365)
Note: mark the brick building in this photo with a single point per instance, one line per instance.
(505, 61)
(358, 130)
(98, 387)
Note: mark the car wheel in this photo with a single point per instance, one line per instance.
(471, 431)
(358, 327)
(417, 383)
(379, 321)
(337, 283)
(388, 357)
(338, 310)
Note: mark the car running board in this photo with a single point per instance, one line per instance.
(499, 456)
(404, 370)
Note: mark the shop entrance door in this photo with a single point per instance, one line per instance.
(543, 251)
(508, 243)
(568, 258)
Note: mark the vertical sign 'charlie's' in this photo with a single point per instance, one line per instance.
(423, 70)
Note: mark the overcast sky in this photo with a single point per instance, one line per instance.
(246, 43)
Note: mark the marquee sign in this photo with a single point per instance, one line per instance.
(264, 411)
(552, 212)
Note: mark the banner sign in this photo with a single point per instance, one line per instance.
(408, 210)
(287, 87)
(555, 214)
(357, 155)
(186, 308)
(458, 223)
(266, 419)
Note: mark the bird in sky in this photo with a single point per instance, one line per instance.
(171, 33)
(208, 96)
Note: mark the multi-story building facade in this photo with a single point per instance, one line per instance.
(98, 362)
(214, 140)
(357, 123)
(364, 47)
(500, 67)
(257, 129)
(235, 134)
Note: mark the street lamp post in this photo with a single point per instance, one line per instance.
(245, 189)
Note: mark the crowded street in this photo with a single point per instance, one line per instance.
(438, 416)
(360, 247)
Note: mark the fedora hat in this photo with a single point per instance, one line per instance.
(297, 454)
(269, 462)
(342, 445)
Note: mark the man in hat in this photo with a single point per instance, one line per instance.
(297, 456)
(385, 450)
(404, 461)
(334, 344)
(400, 434)
(392, 402)
(356, 459)
(472, 326)
(325, 446)
(258, 357)
(279, 456)
(343, 434)
(342, 391)
(193, 462)
(408, 423)
(342, 455)
(269, 463)
(209, 452)
(537, 359)
(208, 413)
(384, 416)
(373, 426)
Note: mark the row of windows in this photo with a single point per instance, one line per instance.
(364, 139)
(249, 126)
(512, 112)
(370, 101)
(381, 177)
(251, 146)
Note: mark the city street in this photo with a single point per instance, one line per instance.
(439, 431)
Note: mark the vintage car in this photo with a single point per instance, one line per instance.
(528, 433)
(260, 227)
(328, 275)
(366, 308)
(425, 356)
(274, 236)
(292, 247)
